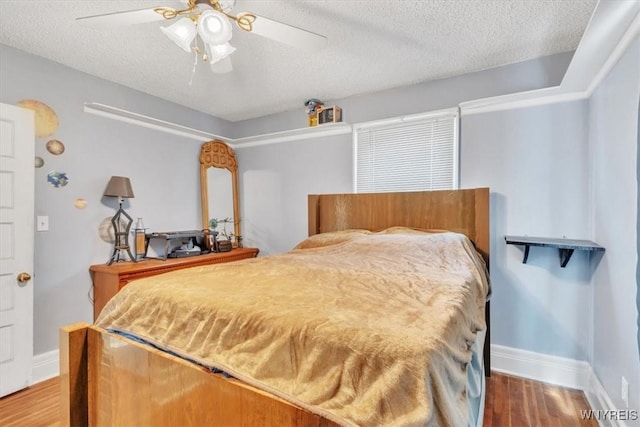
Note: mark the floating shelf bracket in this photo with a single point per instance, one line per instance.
(565, 247)
(565, 256)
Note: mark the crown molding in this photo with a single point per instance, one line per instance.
(533, 98)
(148, 122)
(198, 135)
(632, 33)
(614, 25)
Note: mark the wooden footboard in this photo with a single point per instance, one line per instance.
(108, 380)
(74, 403)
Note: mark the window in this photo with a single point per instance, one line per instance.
(410, 153)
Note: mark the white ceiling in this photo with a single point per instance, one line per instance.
(372, 45)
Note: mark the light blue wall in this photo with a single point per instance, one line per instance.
(614, 145)
(535, 160)
(162, 168)
(275, 181)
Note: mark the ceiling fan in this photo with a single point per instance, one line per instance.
(210, 19)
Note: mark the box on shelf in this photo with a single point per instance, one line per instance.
(313, 119)
(329, 115)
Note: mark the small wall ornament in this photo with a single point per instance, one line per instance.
(46, 120)
(55, 147)
(80, 203)
(57, 179)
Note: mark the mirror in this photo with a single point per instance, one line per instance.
(219, 190)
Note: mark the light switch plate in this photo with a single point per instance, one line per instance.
(42, 223)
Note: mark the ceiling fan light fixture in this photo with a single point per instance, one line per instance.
(182, 33)
(214, 28)
(219, 51)
(212, 22)
(223, 50)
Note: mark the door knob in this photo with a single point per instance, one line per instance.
(24, 277)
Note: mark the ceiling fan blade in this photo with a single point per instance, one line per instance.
(223, 66)
(288, 34)
(130, 17)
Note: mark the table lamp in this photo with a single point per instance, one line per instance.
(120, 187)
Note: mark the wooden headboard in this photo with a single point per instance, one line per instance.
(461, 211)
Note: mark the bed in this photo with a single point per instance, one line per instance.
(109, 377)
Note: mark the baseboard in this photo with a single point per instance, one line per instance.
(45, 366)
(540, 367)
(600, 402)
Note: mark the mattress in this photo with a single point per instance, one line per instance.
(362, 328)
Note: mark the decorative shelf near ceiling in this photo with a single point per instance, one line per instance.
(565, 246)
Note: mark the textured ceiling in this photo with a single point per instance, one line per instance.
(372, 45)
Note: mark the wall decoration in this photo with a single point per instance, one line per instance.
(55, 147)
(46, 119)
(80, 203)
(312, 106)
(57, 179)
(38, 162)
(105, 229)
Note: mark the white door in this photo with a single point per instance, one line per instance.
(16, 247)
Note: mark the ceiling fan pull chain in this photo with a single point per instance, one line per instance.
(196, 52)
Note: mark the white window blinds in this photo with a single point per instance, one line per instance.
(407, 154)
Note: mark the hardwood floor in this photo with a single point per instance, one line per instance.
(36, 406)
(519, 402)
(510, 402)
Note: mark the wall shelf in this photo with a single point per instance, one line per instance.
(309, 132)
(565, 246)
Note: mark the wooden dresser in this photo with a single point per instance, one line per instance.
(109, 279)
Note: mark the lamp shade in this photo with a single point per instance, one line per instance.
(214, 28)
(219, 52)
(181, 33)
(119, 186)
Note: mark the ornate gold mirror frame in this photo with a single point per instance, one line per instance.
(217, 154)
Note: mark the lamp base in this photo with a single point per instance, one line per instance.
(117, 250)
(121, 237)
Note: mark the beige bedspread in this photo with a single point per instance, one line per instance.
(363, 328)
